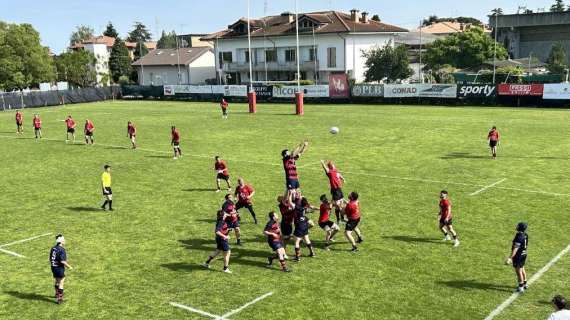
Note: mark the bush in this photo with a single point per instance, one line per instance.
(124, 80)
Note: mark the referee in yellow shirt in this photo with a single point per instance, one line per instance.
(106, 187)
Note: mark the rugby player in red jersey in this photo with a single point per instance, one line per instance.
(224, 106)
(222, 173)
(37, 123)
(89, 129)
(493, 138)
(244, 193)
(274, 239)
(19, 122)
(286, 207)
(175, 142)
(290, 165)
(132, 134)
(352, 212)
(232, 217)
(70, 125)
(222, 232)
(335, 180)
(445, 218)
(325, 222)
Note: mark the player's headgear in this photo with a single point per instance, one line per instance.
(522, 226)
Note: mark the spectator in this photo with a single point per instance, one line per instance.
(561, 312)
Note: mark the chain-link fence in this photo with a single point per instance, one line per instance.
(34, 99)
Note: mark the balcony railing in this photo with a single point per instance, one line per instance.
(271, 66)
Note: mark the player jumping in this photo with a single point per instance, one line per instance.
(290, 165)
(175, 142)
(274, 239)
(352, 212)
(232, 216)
(518, 255)
(335, 180)
(222, 173)
(445, 218)
(58, 262)
(224, 106)
(493, 138)
(325, 223)
(222, 242)
(37, 124)
(244, 193)
(132, 134)
(19, 122)
(89, 129)
(70, 125)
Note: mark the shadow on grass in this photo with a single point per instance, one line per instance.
(200, 190)
(412, 239)
(464, 155)
(206, 220)
(473, 285)
(30, 296)
(84, 209)
(159, 157)
(117, 148)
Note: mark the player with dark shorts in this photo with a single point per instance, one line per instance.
(493, 138)
(518, 256)
(70, 125)
(301, 221)
(290, 165)
(58, 263)
(106, 188)
(446, 219)
(132, 134)
(325, 222)
(274, 239)
(224, 106)
(232, 216)
(89, 129)
(244, 193)
(37, 124)
(336, 180)
(175, 142)
(352, 212)
(287, 217)
(19, 122)
(222, 232)
(222, 173)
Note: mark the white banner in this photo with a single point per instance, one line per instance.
(169, 90)
(368, 90)
(437, 90)
(314, 91)
(400, 90)
(556, 91)
(233, 91)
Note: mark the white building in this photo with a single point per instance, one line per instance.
(329, 42)
(169, 66)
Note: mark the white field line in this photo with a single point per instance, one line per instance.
(198, 311)
(24, 240)
(487, 187)
(231, 313)
(12, 253)
(533, 279)
(315, 169)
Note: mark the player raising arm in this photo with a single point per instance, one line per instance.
(301, 222)
(222, 242)
(132, 134)
(222, 173)
(446, 219)
(518, 255)
(273, 233)
(493, 138)
(336, 181)
(58, 262)
(286, 207)
(290, 165)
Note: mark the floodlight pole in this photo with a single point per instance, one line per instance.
(297, 54)
(178, 58)
(495, 46)
(420, 66)
(249, 48)
(142, 64)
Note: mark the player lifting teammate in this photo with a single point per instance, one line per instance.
(19, 122)
(244, 193)
(287, 211)
(58, 263)
(290, 165)
(232, 216)
(335, 180)
(493, 138)
(222, 173)
(222, 241)
(175, 142)
(37, 124)
(446, 218)
(518, 255)
(89, 129)
(301, 221)
(132, 134)
(325, 223)
(352, 212)
(274, 239)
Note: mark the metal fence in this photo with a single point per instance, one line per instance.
(34, 99)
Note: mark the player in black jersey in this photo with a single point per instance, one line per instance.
(518, 255)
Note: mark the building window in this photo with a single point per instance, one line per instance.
(271, 55)
(312, 54)
(246, 53)
(331, 57)
(290, 55)
(225, 57)
(307, 24)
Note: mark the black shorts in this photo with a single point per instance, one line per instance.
(38, 129)
(352, 224)
(519, 262)
(446, 223)
(286, 229)
(107, 191)
(176, 144)
(58, 272)
(19, 124)
(70, 130)
(233, 224)
(275, 245)
(224, 111)
(222, 244)
(293, 184)
(132, 136)
(240, 205)
(301, 231)
(222, 176)
(89, 133)
(337, 194)
(325, 224)
(492, 143)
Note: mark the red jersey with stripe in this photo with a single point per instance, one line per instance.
(19, 117)
(131, 129)
(352, 210)
(229, 207)
(334, 179)
(287, 213)
(445, 209)
(221, 166)
(222, 227)
(493, 135)
(243, 192)
(273, 227)
(290, 166)
(37, 123)
(70, 123)
(89, 127)
(175, 135)
(325, 212)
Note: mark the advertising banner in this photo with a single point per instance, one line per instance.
(169, 90)
(400, 90)
(507, 89)
(315, 91)
(338, 86)
(263, 91)
(368, 90)
(476, 91)
(556, 91)
(232, 91)
(437, 90)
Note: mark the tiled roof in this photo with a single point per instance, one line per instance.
(162, 57)
(110, 41)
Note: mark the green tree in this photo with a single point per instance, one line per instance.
(80, 34)
(557, 61)
(376, 17)
(110, 31)
(497, 12)
(139, 33)
(558, 6)
(387, 63)
(430, 20)
(465, 50)
(167, 40)
(24, 62)
(77, 67)
(140, 50)
(119, 60)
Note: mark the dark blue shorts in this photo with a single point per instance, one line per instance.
(293, 184)
(58, 272)
(519, 262)
(275, 245)
(233, 225)
(286, 229)
(222, 244)
(301, 231)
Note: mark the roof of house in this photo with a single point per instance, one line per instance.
(168, 57)
(326, 21)
(110, 41)
(415, 38)
(448, 27)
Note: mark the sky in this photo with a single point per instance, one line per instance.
(56, 19)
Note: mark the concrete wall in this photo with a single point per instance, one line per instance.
(102, 55)
(356, 44)
(203, 68)
(197, 72)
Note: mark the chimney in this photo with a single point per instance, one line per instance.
(364, 17)
(354, 15)
(289, 15)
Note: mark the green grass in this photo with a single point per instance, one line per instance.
(133, 262)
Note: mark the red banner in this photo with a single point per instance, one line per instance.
(506, 89)
(338, 86)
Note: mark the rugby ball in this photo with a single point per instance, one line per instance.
(334, 130)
